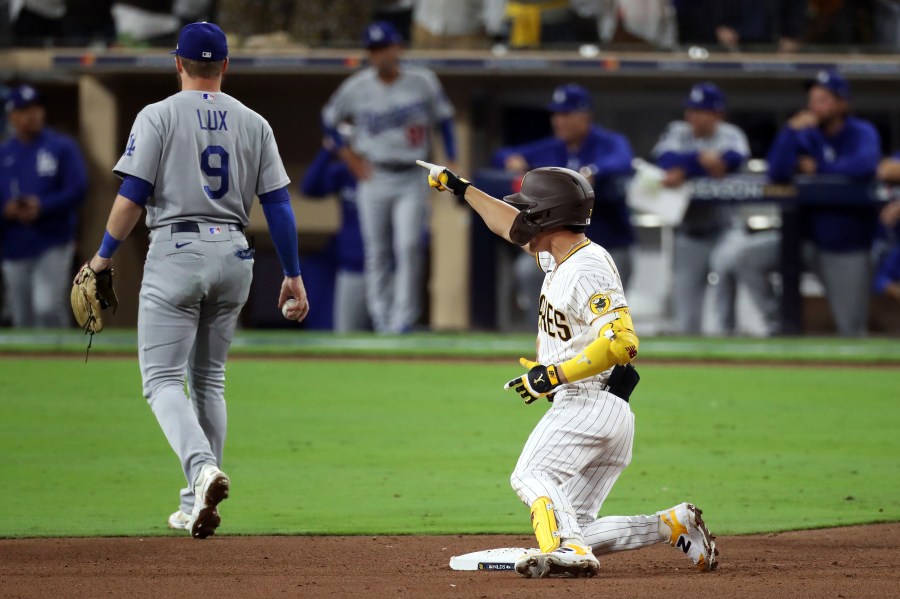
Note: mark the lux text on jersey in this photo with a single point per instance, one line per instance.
(213, 120)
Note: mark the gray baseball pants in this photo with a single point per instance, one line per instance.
(393, 212)
(695, 257)
(845, 275)
(350, 312)
(194, 287)
(37, 289)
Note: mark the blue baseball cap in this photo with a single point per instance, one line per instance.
(201, 41)
(705, 96)
(831, 81)
(22, 97)
(380, 34)
(569, 98)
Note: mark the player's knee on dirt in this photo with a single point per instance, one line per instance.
(543, 520)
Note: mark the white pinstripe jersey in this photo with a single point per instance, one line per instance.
(577, 293)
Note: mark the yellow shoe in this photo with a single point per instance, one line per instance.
(689, 533)
(570, 560)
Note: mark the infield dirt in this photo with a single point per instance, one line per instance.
(860, 561)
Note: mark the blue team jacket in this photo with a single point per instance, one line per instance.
(853, 152)
(50, 167)
(327, 175)
(607, 154)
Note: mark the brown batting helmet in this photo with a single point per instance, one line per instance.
(550, 197)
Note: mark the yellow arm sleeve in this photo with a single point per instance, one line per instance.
(616, 343)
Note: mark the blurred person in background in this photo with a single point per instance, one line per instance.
(599, 155)
(638, 22)
(394, 108)
(329, 175)
(824, 138)
(531, 23)
(285, 23)
(703, 145)
(448, 24)
(43, 182)
(734, 24)
(887, 275)
(156, 22)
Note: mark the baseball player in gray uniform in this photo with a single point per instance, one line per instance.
(195, 161)
(394, 109)
(585, 344)
(704, 145)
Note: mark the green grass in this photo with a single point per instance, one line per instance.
(332, 447)
(303, 343)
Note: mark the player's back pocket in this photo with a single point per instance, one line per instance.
(184, 256)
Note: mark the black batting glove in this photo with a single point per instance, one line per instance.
(538, 382)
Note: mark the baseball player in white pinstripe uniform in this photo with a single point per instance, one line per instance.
(586, 342)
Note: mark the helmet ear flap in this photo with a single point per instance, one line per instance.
(523, 230)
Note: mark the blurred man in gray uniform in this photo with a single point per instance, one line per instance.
(196, 160)
(702, 145)
(394, 109)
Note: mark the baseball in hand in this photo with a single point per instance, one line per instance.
(289, 309)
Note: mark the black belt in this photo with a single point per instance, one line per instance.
(395, 167)
(195, 228)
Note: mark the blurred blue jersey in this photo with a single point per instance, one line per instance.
(327, 175)
(853, 152)
(50, 167)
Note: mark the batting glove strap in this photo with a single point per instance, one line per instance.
(536, 383)
(447, 180)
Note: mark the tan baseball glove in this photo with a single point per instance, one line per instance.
(92, 292)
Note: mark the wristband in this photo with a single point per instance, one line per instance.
(108, 246)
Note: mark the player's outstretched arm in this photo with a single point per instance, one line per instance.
(496, 214)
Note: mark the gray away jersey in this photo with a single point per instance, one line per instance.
(207, 156)
(678, 137)
(393, 122)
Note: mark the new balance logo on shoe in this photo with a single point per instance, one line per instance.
(572, 548)
(683, 543)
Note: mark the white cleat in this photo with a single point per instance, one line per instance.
(210, 489)
(689, 534)
(570, 560)
(179, 520)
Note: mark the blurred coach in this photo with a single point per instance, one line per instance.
(42, 183)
